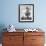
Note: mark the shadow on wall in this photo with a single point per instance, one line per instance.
(2, 26)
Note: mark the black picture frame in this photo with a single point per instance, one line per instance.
(26, 12)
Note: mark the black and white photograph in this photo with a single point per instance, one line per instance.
(26, 13)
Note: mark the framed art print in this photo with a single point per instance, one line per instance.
(26, 12)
